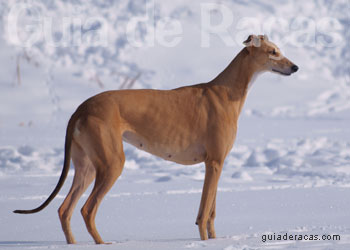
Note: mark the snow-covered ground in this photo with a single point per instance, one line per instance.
(288, 173)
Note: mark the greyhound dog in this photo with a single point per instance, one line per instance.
(187, 125)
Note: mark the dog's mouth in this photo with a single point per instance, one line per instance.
(281, 73)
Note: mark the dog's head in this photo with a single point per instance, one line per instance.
(268, 56)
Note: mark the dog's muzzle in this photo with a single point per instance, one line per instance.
(294, 68)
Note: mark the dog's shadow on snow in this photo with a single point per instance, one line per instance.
(30, 243)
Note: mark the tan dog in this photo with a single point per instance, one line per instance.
(186, 125)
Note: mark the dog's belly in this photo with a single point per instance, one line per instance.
(190, 154)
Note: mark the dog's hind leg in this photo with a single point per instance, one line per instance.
(105, 149)
(83, 176)
(89, 210)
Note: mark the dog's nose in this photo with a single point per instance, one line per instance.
(295, 68)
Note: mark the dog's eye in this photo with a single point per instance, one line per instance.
(273, 52)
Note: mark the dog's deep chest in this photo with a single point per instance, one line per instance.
(187, 153)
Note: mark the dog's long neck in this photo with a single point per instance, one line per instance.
(234, 80)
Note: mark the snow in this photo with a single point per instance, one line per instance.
(289, 171)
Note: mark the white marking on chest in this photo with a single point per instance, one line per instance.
(255, 75)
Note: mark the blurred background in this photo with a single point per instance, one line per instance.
(289, 170)
(56, 54)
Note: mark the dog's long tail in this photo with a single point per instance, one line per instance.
(67, 157)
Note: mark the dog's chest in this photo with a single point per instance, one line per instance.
(186, 154)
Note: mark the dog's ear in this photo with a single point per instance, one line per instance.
(263, 37)
(252, 40)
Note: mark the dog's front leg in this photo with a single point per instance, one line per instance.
(206, 214)
(210, 224)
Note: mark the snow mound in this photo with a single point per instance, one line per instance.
(318, 161)
(28, 160)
